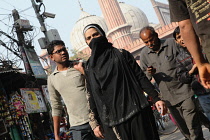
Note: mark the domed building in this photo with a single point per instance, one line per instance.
(76, 37)
(122, 23)
(134, 17)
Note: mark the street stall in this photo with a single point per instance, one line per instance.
(23, 110)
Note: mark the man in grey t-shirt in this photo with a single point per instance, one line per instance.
(68, 83)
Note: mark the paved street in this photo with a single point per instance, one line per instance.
(178, 136)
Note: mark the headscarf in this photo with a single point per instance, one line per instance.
(97, 27)
(111, 81)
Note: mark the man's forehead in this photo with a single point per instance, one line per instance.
(58, 47)
(146, 34)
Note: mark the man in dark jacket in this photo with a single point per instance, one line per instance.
(188, 73)
(158, 61)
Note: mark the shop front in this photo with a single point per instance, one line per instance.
(24, 107)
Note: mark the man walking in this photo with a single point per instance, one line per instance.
(68, 84)
(158, 61)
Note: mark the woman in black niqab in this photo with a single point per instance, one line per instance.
(116, 85)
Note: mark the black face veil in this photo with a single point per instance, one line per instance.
(99, 45)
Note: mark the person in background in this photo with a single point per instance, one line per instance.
(158, 61)
(193, 19)
(188, 74)
(30, 97)
(68, 84)
(116, 84)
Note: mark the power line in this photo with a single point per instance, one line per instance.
(29, 15)
(25, 9)
(3, 44)
(8, 3)
(9, 16)
(9, 36)
(5, 9)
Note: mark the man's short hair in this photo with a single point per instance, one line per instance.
(148, 28)
(52, 44)
(176, 31)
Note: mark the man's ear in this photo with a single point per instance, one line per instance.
(156, 34)
(51, 57)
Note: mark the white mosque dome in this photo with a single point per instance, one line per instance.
(135, 17)
(76, 36)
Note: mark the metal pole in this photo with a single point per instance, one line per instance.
(41, 20)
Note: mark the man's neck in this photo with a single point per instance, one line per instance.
(63, 66)
(157, 47)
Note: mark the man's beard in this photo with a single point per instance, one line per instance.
(152, 45)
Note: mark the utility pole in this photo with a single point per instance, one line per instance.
(41, 19)
(49, 35)
(21, 43)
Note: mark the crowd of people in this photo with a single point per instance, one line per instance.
(105, 96)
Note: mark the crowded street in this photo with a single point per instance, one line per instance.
(105, 70)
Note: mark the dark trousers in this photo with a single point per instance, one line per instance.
(187, 119)
(205, 104)
(203, 119)
(82, 132)
(139, 127)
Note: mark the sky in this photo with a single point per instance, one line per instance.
(67, 13)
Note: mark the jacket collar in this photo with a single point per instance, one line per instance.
(56, 70)
(163, 44)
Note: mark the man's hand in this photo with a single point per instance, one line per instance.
(56, 122)
(151, 70)
(204, 73)
(194, 70)
(161, 107)
(98, 132)
(79, 67)
(57, 138)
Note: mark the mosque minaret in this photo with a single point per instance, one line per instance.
(119, 31)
